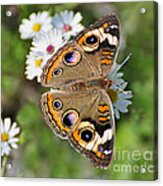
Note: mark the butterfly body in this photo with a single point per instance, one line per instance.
(79, 109)
(85, 85)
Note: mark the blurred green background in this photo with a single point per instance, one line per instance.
(41, 154)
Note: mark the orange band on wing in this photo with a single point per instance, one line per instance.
(55, 114)
(82, 39)
(106, 61)
(104, 118)
(78, 139)
(107, 53)
(55, 64)
(103, 108)
(107, 24)
(76, 135)
(100, 154)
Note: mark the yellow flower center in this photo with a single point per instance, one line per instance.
(38, 62)
(113, 95)
(36, 27)
(4, 136)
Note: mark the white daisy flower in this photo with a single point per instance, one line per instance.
(118, 95)
(120, 100)
(68, 23)
(48, 43)
(9, 139)
(35, 24)
(34, 65)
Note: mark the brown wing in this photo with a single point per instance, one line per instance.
(62, 110)
(66, 66)
(93, 135)
(86, 119)
(91, 54)
(100, 43)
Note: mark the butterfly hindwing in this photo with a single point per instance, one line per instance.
(93, 135)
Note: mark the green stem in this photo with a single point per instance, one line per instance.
(4, 164)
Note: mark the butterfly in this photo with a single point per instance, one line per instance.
(78, 109)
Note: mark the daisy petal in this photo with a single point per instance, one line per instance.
(7, 124)
(77, 18)
(14, 132)
(13, 140)
(14, 145)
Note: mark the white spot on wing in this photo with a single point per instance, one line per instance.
(112, 39)
(107, 136)
(113, 26)
(106, 152)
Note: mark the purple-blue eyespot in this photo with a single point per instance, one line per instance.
(57, 104)
(72, 58)
(70, 117)
(100, 149)
(57, 72)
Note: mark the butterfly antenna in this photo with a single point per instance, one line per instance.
(125, 61)
(119, 67)
(121, 90)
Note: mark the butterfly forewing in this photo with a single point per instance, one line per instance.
(66, 66)
(100, 43)
(91, 54)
